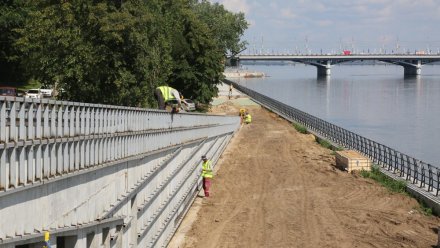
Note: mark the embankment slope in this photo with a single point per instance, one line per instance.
(275, 187)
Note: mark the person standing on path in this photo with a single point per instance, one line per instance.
(230, 91)
(206, 174)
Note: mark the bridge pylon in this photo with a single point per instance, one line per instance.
(410, 69)
(324, 70)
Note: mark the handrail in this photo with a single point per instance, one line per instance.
(80, 165)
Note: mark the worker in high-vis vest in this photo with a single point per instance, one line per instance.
(46, 240)
(164, 94)
(206, 174)
(247, 118)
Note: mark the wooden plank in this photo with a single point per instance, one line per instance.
(351, 160)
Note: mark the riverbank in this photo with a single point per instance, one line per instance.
(242, 73)
(276, 187)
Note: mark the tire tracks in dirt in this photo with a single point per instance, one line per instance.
(276, 187)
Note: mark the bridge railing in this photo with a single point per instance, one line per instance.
(417, 172)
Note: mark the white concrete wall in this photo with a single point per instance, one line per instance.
(110, 177)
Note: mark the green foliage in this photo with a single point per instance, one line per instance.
(300, 128)
(398, 186)
(12, 16)
(425, 209)
(198, 66)
(113, 53)
(324, 143)
(226, 27)
(96, 52)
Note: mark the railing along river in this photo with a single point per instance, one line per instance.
(425, 176)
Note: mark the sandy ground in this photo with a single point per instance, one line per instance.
(275, 187)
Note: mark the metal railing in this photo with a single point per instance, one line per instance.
(417, 172)
(43, 139)
(86, 168)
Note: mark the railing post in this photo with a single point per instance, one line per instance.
(13, 122)
(402, 165)
(438, 182)
(416, 171)
(423, 177)
(38, 126)
(431, 179)
(3, 122)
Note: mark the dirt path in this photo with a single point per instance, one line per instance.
(276, 187)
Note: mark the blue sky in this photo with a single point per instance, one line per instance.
(331, 25)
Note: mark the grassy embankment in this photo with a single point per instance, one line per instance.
(324, 143)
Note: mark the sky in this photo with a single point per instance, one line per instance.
(330, 26)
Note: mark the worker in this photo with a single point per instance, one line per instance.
(230, 91)
(206, 174)
(242, 112)
(164, 94)
(46, 240)
(247, 118)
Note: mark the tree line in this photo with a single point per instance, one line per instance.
(118, 52)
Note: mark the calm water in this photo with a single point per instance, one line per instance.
(374, 101)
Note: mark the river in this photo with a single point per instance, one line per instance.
(375, 101)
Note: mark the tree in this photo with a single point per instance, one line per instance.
(115, 52)
(96, 51)
(199, 48)
(226, 27)
(12, 16)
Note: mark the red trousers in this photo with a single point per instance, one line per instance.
(206, 186)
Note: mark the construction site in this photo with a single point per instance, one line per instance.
(276, 187)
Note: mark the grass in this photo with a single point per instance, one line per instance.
(324, 143)
(425, 209)
(300, 128)
(397, 186)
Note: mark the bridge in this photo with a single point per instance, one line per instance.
(412, 63)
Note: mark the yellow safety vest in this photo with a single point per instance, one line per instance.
(166, 93)
(248, 118)
(207, 169)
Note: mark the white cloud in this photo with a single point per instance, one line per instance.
(370, 23)
(236, 5)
